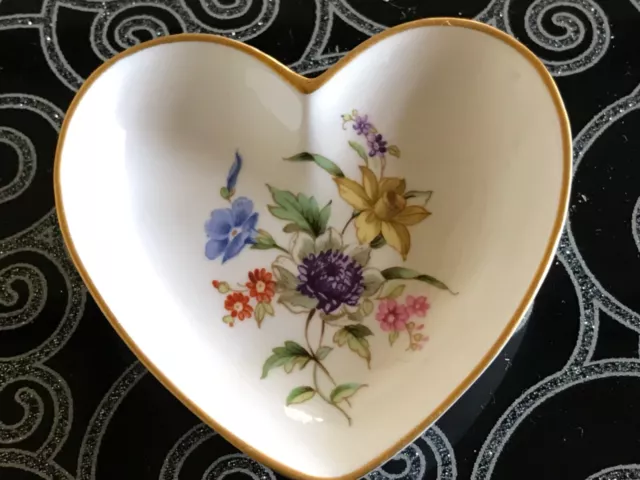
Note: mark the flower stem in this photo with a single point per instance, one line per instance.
(317, 363)
(280, 248)
(311, 350)
(351, 219)
(324, 397)
(306, 332)
(411, 342)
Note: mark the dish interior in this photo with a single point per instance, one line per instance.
(151, 143)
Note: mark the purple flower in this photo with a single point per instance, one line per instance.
(230, 229)
(361, 124)
(332, 278)
(377, 145)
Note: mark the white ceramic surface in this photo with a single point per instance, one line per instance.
(149, 144)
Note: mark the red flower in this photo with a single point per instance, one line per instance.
(238, 305)
(261, 285)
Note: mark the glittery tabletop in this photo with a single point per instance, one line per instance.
(560, 402)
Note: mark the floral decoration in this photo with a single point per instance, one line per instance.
(320, 275)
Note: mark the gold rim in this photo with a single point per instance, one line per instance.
(307, 85)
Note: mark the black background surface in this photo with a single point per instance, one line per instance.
(562, 400)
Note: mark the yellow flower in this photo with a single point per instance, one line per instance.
(383, 209)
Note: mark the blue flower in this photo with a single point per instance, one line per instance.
(234, 171)
(231, 229)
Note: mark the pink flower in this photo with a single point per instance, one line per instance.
(417, 305)
(392, 317)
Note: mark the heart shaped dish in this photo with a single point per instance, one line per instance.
(318, 268)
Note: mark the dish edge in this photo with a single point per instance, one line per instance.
(309, 85)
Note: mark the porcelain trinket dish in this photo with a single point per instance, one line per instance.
(318, 268)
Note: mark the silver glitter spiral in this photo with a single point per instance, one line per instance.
(237, 463)
(32, 408)
(30, 462)
(182, 449)
(574, 32)
(26, 153)
(51, 48)
(220, 468)
(226, 11)
(88, 458)
(315, 58)
(105, 17)
(38, 237)
(37, 293)
(414, 462)
(620, 472)
(443, 451)
(107, 11)
(125, 31)
(635, 224)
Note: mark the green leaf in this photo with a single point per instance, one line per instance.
(291, 228)
(264, 241)
(301, 210)
(323, 352)
(354, 337)
(259, 313)
(378, 242)
(425, 195)
(296, 301)
(359, 330)
(359, 150)
(395, 273)
(274, 361)
(331, 319)
(345, 391)
(393, 336)
(394, 292)
(225, 193)
(228, 319)
(313, 214)
(324, 163)
(360, 253)
(367, 307)
(292, 362)
(289, 356)
(285, 280)
(343, 318)
(288, 208)
(308, 206)
(295, 348)
(394, 150)
(269, 309)
(260, 246)
(300, 395)
(372, 280)
(323, 218)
